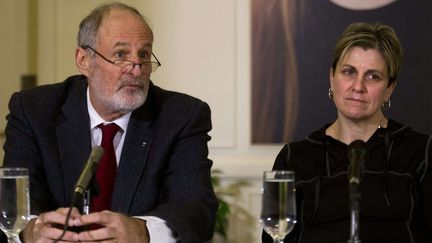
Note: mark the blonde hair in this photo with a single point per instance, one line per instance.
(371, 36)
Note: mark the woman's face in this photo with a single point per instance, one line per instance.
(359, 84)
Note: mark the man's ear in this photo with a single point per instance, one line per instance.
(82, 60)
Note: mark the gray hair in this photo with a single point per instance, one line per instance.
(89, 26)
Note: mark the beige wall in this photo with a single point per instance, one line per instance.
(204, 47)
(15, 49)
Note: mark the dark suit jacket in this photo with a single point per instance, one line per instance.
(164, 170)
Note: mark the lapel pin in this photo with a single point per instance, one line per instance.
(143, 144)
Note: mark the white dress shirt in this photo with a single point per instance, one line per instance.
(158, 231)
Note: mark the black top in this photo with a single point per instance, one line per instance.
(396, 193)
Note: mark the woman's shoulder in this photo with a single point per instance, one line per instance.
(314, 139)
(405, 133)
(308, 147)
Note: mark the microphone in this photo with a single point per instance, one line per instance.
(81, 186)
(86, 176)
(357, 157)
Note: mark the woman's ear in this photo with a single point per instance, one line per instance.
(331, 75)
(82, 60)
(389, 91)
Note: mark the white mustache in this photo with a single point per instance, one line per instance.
(135, 82)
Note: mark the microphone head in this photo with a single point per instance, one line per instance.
(89, 168)
(95, 156)
(357, 145)
(357, 157)
(86, 176)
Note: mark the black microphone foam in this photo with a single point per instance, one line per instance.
(357, 157)
(86, 176)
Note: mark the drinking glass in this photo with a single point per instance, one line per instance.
(14, 202)
(278, 210)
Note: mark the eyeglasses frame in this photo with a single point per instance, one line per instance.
(133, 63)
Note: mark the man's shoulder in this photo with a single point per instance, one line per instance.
(48, 99)
(167, 100)
(162, 94)
(174, 109)
(47, 92)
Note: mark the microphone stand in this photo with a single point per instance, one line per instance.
(86, 202)
(354, 194)
(93, 190)
(83, 202)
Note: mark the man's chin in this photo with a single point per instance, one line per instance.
(132, 88)
(127, 106)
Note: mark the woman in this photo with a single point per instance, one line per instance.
(396, 186)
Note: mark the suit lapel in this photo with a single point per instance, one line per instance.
(74, 142)
(73, 133)
(133, 158)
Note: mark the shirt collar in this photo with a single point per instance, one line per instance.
(95, 119)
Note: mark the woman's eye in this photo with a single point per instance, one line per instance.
(348, 72)
(373, 77)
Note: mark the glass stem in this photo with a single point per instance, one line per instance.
(14, 239)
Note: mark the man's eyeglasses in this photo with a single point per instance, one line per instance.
(127, 66)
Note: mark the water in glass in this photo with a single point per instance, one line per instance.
(278, 213)
(14, 202)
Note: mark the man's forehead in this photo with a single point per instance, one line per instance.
(122, 15)
(127, 44)
(119, 32)
(123, 20)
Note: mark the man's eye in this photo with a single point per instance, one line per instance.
(144, 55)
(120, 55)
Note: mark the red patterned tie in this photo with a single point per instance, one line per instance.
(107, 169)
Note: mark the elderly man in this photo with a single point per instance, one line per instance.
(154, 177)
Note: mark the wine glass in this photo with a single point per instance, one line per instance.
(14, 202)
(278, 211)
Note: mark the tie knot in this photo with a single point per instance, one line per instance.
(109, 131)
